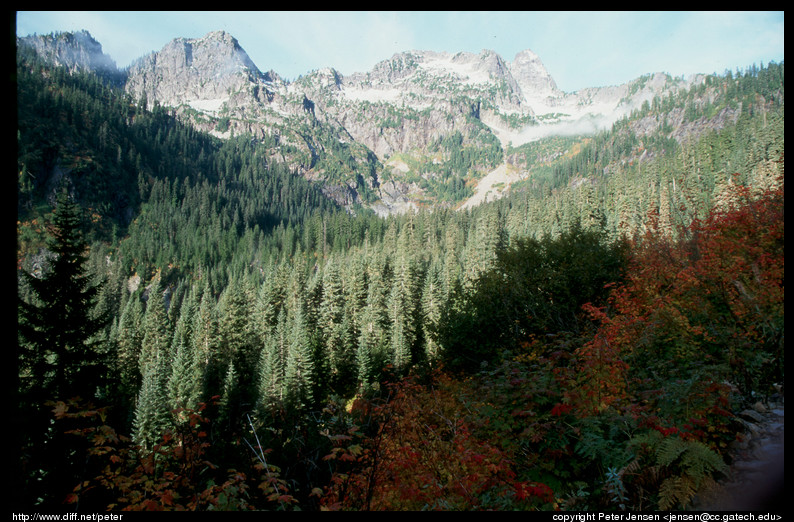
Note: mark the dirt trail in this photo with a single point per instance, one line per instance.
(755, 479)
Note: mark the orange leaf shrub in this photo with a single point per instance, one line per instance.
(424, 456)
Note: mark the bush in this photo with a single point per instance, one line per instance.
(536, 287)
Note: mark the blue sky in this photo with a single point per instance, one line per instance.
(579, 49)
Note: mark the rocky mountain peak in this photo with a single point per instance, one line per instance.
(365, 129)
(530, 73)
(217, 54)
(220, 47)
(492, 63)
(190, 70)
(75, 51)
(398, 67)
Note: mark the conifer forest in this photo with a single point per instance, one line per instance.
(200, 328)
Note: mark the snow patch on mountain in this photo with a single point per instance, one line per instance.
(460, 67)
(493, 186)
(212, 106)
(359, 94)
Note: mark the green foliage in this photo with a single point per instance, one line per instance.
(680, 467)
(58, 325)
(173, 475)
(60, 352)
(615, 488)
(535, 287)
(608, 318)
(152, 416)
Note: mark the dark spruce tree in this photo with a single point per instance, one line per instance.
(59, 359)
(60, 354)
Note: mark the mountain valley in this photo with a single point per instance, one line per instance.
(441, 284)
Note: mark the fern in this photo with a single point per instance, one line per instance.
(700, 462)
(681, 467)
(696, 464)
(676, 491)
(592, 445)
(603, 444)
(669, 450)
(577, 501)
(631, 468)
(647, 438)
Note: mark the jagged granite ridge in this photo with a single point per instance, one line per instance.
(401, 109)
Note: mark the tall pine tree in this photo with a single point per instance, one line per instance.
(60, 356)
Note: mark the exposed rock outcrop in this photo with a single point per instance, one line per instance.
(339, 130)
(75, 51)
(213, 67)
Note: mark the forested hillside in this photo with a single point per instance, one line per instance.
(584, 343)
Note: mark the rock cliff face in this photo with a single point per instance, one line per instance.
(370, 130)
(419, 97)
(532, 77)
(75, 51)
(209, 69)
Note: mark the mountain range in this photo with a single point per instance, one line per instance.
(207, 252)
(391, 138)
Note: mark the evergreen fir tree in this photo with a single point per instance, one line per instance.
(591, 215)
(156, 337)
(184, 382)
(128, 339)
(333, 324)
(229, 402)
(58, 358)
(152, 415)
(299, 374)
(270, 301)
(433, 303)
(237, 335)
(60, 355)
(271, 367)
(484, 241)
(205, 341)
(364, 360)
(354, 282)
(453, 243)
(404, 304)
(373, 338)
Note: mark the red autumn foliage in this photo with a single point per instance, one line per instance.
(424, 456)
(697, 321)
(713, 297)
(174, 475)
